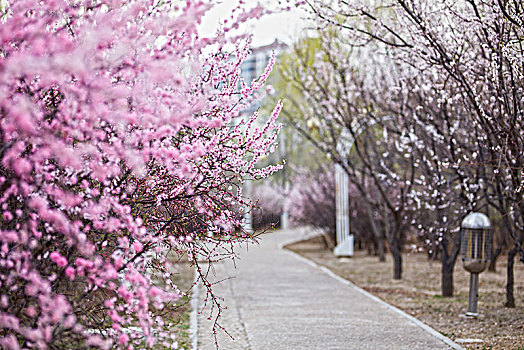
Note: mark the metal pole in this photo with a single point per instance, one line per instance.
(284, 225)
(248, 211)
(344, 239)
(473, 295)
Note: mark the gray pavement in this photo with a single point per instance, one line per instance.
(278, 301)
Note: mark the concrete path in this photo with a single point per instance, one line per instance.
(277, 301)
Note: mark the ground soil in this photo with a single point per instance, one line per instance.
(418, 294)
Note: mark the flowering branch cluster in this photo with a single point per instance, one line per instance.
(117, 152)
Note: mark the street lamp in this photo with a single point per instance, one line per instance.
(476, 251)
(345, 240)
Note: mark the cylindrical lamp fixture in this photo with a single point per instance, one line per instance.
(476, 236)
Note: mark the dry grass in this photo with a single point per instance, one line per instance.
(418, 293)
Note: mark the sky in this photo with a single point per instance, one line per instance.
(284, 26)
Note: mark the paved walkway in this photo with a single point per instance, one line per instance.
(277, 301)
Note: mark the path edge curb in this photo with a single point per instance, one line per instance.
(350, 284)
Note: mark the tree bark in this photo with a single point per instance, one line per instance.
(381, 251)
(377, 235)
(493, 261)
(447, 280)
(510, 296)
(448, 264)
(446, 273)
(397, 266)
(397, 261)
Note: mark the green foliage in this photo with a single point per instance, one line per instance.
(297, 153)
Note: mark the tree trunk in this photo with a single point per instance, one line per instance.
(447, 280)
(397, 266)
(492, 267)
(493, 261)
(446, 271)
(377, 235)
(448, 264)
(381, 251)
(510, 296)
(397, 261)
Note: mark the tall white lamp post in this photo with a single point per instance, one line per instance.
(345, 240)
(284, 216)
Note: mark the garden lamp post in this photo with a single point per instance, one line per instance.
(475, 250)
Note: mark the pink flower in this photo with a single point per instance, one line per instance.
(138, 247)
(154, 292)
(123, 338)
(22, 167)
(8, 321)
(31, 311)
(23, 119)
(124, 293)
(4, 301)
(54, 256)
(8, 216)
(9, 343)
(70, 272)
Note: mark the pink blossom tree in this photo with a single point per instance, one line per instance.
(117, 152)
(312, 201)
